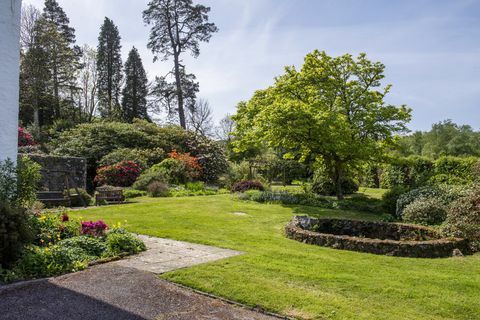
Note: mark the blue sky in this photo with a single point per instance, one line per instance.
(431, 48)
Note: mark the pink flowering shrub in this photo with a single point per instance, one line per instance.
(25, 138)
(95, 229)
(122, 174)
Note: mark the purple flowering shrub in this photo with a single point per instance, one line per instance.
(246, 185)
(95, 229)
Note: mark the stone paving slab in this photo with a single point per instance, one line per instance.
(165, 255)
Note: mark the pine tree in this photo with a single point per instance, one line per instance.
(178, 26)
(53, 13)
(62, 62)
(165, 94)
(58, 40)
(109, 66)
(134, 101)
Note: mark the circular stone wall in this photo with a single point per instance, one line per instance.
(392, 239)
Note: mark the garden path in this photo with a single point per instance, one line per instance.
(164, 255)
(125, 290)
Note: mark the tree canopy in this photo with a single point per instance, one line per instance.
(109, 66)
(444, 139)
(332, 110)
(178, 26)
(134, 101)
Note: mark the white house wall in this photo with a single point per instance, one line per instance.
(9, 74)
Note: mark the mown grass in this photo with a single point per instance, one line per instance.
(297, 279)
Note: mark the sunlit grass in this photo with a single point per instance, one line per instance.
(297, 279)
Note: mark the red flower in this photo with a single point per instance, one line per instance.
(25, 138)
(122, 174)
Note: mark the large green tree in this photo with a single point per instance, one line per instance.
(178, 26)
(134, 94)
(332, 110)
(109, 68)
(58, 40)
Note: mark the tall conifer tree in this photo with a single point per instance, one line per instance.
(134, 95)
(57, 39)
(109, 66)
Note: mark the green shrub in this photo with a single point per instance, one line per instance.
(390, 198)
(412, 195)
(15, 232)
(92, 246)
(28, 175)
(132, 193)
(246, 185)
(463, 218)
(52, 226)
(144, 157)
(235, 172)
(120, 241)
(444, 193)
(425, 211)
(19, 184)
(393, 176)
(188, 193)
(455, 169)
(50, 261)
(210, 154)
(195, 186)
(323, 185)
(180, 168)
(8, 181)
(149, 176)
(158, 189)
(358, 203)
(76, 198)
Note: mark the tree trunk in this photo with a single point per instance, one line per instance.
(36, 116)
(178, 80)
(339, 179)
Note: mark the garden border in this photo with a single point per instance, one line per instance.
(297, 229)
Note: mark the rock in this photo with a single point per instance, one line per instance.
(457, 253)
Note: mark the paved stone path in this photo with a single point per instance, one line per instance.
(125, 289)
(113, 292)
(164, 255)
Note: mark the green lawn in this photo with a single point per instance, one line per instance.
(296, 279)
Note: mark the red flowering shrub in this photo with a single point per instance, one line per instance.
(95, 229)
(179, 168)
(25, 138)
(189, 161)
(245, 185)
(122, 174)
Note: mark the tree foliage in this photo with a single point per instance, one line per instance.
(109, 66)
(134, 94)
(178, 26)
(165, 98)
(332, 110)
(444, 139)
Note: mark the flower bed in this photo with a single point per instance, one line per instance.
(63, 245)
(392, 239)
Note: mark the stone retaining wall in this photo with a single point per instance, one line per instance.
(54, 170)
(300, 229)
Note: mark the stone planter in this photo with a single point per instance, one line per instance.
(393, 239)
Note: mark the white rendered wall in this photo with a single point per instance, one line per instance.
(9, 75)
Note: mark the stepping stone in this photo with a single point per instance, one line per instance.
(238, 213)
